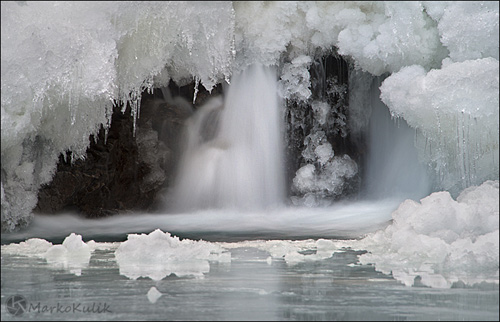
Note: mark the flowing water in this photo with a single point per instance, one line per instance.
(239, 162)
(230, 191)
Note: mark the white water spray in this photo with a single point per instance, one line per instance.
(235, 159)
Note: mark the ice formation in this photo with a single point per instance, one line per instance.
(153, 295)
(455, 110)
(323, 176)
(72, 255)
(158, 255)
(316, 183)
(65, 63)
(293, 251)
(439, 241)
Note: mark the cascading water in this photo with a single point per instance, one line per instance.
(392, 165)
(234, 159)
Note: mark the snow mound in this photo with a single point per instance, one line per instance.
(440, 241)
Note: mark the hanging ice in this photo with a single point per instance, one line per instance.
(455, 110)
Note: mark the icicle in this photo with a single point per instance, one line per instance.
(109, 117)
(196, 83)
(134, 107)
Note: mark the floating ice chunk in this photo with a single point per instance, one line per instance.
(102, 246)
(73, 254)
(440, 241)
(269, 260)
(31, 247)
(292, 251)
(154, 295)
(324, 249)
(159, 255)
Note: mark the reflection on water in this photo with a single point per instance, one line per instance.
(250, 287)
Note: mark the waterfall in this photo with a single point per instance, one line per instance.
(234, 153)
(392, 166)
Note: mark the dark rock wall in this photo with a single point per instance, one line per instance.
(124, 171)
(329, 83)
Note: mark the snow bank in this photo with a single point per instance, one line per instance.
(440, 241)
(159, 255)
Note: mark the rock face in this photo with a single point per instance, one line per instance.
(123, 172)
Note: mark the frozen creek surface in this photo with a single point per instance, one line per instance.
(249, 287)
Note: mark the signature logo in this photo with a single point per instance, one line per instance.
(16, 305)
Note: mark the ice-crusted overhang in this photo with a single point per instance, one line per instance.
(64, 63)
